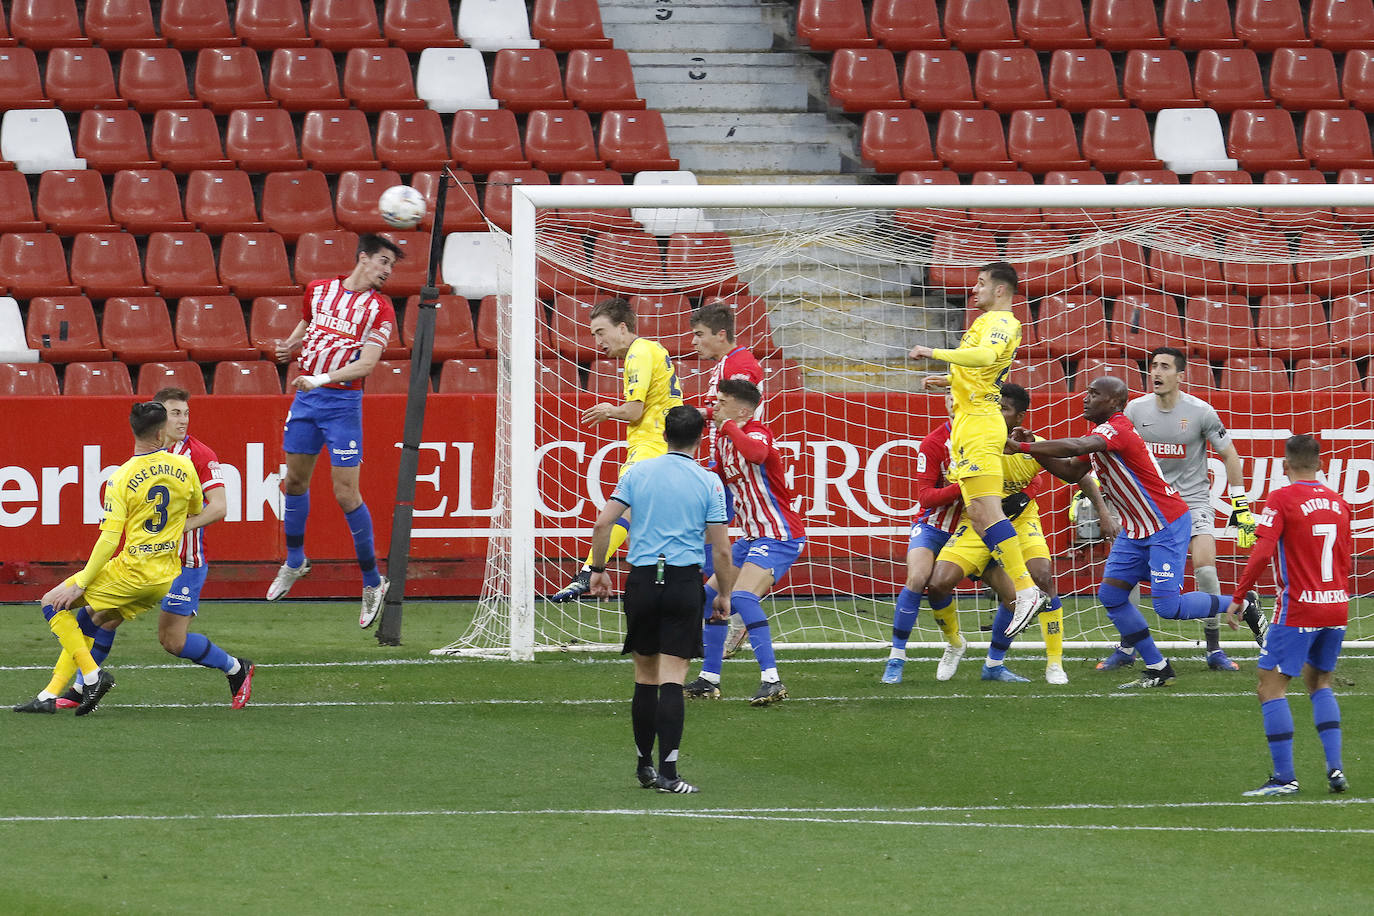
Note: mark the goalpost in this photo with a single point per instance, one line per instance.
(1267, 288)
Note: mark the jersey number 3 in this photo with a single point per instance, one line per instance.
(162, 497)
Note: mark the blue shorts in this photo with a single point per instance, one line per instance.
(326, 416)
(928, 537)
(1158, 559)
(775, 556)
(1288, 648)
(183, 597)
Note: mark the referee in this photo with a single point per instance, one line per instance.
(678, 506)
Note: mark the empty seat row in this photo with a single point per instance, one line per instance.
(267, 24)
(1241, 374)
(1114, 24)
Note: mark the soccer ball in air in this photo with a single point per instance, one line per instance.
(402, 206)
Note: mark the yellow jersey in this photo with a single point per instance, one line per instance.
(977, 389)
(1018, 471)
(147, 500)
(651, 379)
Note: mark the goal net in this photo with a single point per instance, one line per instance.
(1267, 289)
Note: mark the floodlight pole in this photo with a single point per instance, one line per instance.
(398, 560)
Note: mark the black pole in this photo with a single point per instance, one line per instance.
(389, 630)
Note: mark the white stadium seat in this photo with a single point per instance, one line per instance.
(38, 140)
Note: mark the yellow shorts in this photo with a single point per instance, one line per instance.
(641, 452)
(110, 591)
(967, 550)
(975, 449)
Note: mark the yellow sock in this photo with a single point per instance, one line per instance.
(619, 532)
(68, 633)
(947, 619)
(1052, 628)
(64, 670)
(1008, 553)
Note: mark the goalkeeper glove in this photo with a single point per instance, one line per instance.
(1243, 521)
(1014, 505)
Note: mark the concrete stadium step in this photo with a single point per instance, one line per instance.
(678, 36)
(755, 159)
(693, 13)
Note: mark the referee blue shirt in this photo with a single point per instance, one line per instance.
(672, 499)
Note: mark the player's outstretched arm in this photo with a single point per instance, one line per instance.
(1054, 454)
(629, 412)
(360, 368)
(216, 507)
(1259, 561)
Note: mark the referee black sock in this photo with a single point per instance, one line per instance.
(672, 710)
(644, 719)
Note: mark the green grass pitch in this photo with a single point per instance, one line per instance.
(363, 779)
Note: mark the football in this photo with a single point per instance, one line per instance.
(402, 206)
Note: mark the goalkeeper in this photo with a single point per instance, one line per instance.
(1177, 428)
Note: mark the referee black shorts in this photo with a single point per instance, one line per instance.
(664, 619)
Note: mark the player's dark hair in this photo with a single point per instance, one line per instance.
(1019, 397)
(741, 390)
(616, 311)
(1303, 452)
(716, 317)
(145, 417)
(1179, 359)
(172, 394)
(1001, 272)
(370, 243)
(682, 427)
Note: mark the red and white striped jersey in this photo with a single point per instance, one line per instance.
(341, 322)
(1132, 481)
(752, 468)
(941, 503)
(207, 469)
(738, 363)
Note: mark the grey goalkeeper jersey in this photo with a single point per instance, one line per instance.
(1178, 438)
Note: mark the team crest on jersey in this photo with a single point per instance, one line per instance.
(1183, 424)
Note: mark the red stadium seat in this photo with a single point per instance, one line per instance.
(1010, 80)
(1357, 78)
(897, 141)
(628, 261)
(325, 254)
(63, 329)
(335, 141)
(1119, 25)
(1264, 139)
(1044, 141)
(1358, 216)
(414, 25)
(1043, 264)
(1071, 218)
(16, 205)
(487, 314)
(906, 25)
(355, 202)
(262, 140)
(1193, 25)
(956, 257)
(269, 24)
(933, 80)
(111, 141)
(1218, 326)
(1293, 326)
(1118, 138)
(1188, 274)
(243, 377)
(106, 264)
(411, 140)
(1114, 269)
(1296, 216)
(119, 24)
(566, 25)
(824, 25)
(139, 330)
(1004, 218)
(187, 139)
(46, 24)
(154, 376)
(1352, 324)
(1096, 367)
(1049, 24)
(151, 79)
(27, 380)
(602, 80)
(454, 336)
(1336, 140)
(21, 84)
(605, 377)
(569, 330)
(305, 79)
(230, 78)
(556, 141)
(1155, 79)
(1081, 79)
(6, 41)
(1075, 326)
(665, 318)
(272, 319)
(967, 141)
(468, 376)
(703, 262)
(1304, 78)
(751, 324)
(929, 219)
(864, 78)
(569, 271)
(634, 141)
(222, 201)
(1328, 268)
(192, 24)
(976, 25)
(72, 201)
(1039, 374)
(379, 79)
(1326, 375)
(462, 212)
(1142, 322)
(1257, 261)
(254, 264)
(781, 376)
(1266, 25)
(496, 200)
(528, 79)
(1229, 79)
(1341, 25)
(80, 78)
(93, 379)
(485, 141)
(343, 24)
(297, 202)
(33, 264)
(182, 264)
(211, 329)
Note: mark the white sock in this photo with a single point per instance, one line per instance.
(992, 664)
(45, 695)
(236, 667)
(713, 678)
(897, 653)
(770, 675)
(1159, 667)
(91, 678)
